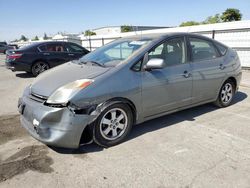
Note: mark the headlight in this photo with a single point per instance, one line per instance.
(64, 93)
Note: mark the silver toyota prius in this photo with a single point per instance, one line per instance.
(131, 80)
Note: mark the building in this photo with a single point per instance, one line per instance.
(67, 37)
(118, 29)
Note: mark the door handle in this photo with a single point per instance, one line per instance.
(222, 67)
(186, 74)
(46, 53)
(71, 54)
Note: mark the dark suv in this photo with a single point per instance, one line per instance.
(38, 57)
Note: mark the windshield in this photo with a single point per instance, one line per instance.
(114, 53)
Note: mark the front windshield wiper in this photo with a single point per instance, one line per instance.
(93, 62)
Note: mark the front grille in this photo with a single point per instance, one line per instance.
(38, 98)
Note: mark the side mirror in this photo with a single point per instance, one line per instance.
(155, 63)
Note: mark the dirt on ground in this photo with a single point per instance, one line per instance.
(29, 158)
(10, 128)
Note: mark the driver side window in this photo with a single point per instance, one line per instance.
(173, 52)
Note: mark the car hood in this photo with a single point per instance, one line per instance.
(46, 83)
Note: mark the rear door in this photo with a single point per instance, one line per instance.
(171, 87)
(54, 53)
(208, 69)
(75, 51)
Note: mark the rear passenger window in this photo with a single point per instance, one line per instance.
(55, 48)
(202, 49)
(222, 48)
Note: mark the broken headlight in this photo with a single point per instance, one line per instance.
(64, 93)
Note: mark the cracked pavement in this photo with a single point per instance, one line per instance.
(200, 147)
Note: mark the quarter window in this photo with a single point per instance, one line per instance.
(42, 48)
(221, 48)
(173, 52)
(202, 49)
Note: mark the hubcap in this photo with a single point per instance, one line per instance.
(114, 124)
(227, 93)
(40, 67)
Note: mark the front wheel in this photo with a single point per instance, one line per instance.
(113, 125)
(226, 94)
(39, 67)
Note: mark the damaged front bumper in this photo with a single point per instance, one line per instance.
(59, 127)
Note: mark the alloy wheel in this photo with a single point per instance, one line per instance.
(113, 124)
(227, 93)
(40, 67)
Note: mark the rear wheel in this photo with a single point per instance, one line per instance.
(39, 67)
(226, 94)
(113, 125)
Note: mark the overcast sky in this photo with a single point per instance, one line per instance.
(34, 17)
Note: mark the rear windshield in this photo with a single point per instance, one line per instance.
(29, 46)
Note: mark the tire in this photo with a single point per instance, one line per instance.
(113, 125)
(39, 67)
(226, 94)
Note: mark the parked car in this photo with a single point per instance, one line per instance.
(12, 47)
(127, 82)
(4, 47)
(38, 57)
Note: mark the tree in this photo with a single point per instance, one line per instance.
(230, 15)
(89, 33)
(23, 38)
(213, 19)
(45, 37)
(189, 23)
(126, 28)
(35, 38)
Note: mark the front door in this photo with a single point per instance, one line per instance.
(74, 51)
(55, 54)
(171, 87)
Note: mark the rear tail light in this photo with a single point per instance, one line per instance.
(14, 56)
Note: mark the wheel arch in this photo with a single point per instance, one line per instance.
(126, 101)
(233, 79)
(37, 60)
(88, 131)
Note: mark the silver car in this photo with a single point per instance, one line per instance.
(131, 80)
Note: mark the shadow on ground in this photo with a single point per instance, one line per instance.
(156, 124)
(24, 75)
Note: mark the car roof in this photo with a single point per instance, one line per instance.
(49, 42)
(164, 35)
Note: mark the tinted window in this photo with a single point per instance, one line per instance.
(172, 52)
(55, 48)
(42, 48)
(202, 49)
(74, 48)
(222, 48)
